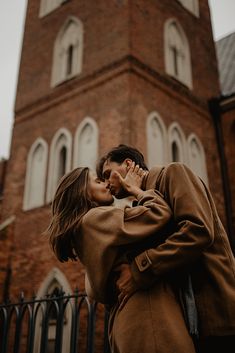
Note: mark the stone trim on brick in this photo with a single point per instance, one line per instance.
(191, 5)
(157, 149)
(196, 157)
(86, 143)
(47, 6)
(35, 181)
(176, 137)
(69, 43)
(62, 139)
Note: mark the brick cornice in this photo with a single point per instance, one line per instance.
(128, 64)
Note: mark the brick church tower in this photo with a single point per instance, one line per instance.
(94, 74)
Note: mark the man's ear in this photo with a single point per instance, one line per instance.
(128, 162)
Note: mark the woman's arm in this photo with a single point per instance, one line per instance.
(105, 229)
(117, 227)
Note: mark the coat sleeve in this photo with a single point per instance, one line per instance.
(114, 226)
(194, 231)
(105, 229)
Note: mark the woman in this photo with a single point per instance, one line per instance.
(85, 226)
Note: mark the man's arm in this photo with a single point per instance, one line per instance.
(192, 214)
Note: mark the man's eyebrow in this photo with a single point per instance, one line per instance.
(106, 173)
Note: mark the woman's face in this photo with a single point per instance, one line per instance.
(99, 191)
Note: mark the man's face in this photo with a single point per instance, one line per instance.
(109, 169)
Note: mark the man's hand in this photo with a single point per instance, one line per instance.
(125, 284)
(133, 180)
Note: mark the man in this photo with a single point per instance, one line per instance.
(199, 246)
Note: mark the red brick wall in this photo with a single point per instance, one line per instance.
(228, 122)
(122, 81)
(102, 45)
(3, 166)
(147, 40)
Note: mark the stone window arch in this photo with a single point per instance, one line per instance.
(86, 144)
(47, 6)
(35, 181)
(176, 143)
(196, 157)
(177, 53)
(54, 283)
(191, 5)
(68, 52)
(60, 160)
(156, 140)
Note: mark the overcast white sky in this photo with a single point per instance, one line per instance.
(12, 16)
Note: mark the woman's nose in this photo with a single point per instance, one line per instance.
(107, 184)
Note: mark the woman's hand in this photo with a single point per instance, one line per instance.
(133, 180)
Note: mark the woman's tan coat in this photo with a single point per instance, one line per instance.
(199, 245)
(105, 232)
(151, 321)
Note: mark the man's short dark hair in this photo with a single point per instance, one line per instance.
(119, 154)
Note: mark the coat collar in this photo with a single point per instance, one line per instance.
(149, 181)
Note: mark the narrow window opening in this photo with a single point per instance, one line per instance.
(175, 152)
(62, 162)
(175, 55)
(52, 323)
(53, 313)
(70, 53)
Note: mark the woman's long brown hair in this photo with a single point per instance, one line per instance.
(71, 202)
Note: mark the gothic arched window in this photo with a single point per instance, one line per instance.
(196, 156)
(54, 283)
(86, 144)
(35, 181)
(177, 53)
(191, 5)
(156, 140)
(68, 51)
(60, 160)
(177, 144)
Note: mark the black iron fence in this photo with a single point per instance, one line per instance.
(57, 324)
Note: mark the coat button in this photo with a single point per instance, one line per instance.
(144, 262)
